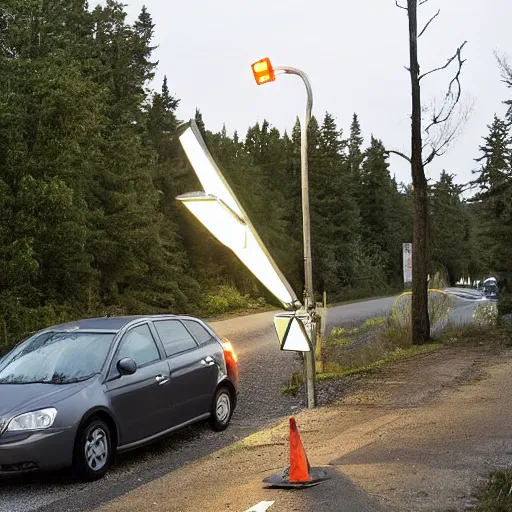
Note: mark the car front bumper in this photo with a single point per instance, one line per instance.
(45, 450)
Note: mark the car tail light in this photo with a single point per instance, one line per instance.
(231, 361)
(229, 351)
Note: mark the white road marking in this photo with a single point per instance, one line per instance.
(261, 506)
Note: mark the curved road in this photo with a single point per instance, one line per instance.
(263, 368)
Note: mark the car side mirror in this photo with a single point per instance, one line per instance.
(127, 366)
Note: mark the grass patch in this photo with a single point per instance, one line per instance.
(383, 341)
(379, 341)
(474, 334)
(373, 322)
(341, 337)
(293, 385)
(496, 496)
(368, 347)
(337, 371)
(372, 340)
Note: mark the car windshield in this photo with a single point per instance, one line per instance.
(56, 358)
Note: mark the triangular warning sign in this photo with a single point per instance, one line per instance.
(291, 333)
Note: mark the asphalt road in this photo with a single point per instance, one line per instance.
(359, 311)
(462, 311)
(263, 368)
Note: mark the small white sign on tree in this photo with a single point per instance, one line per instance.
(407, 258)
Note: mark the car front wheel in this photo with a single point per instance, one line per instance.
(222, 410)
(93, 451)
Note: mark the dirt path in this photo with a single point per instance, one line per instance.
(446, 427)
(416, 436)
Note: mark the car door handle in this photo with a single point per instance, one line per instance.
(208, 361)
(162, 379)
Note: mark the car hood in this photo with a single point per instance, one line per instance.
(20, 398)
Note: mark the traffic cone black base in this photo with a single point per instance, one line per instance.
(282, 481)
(298, 474)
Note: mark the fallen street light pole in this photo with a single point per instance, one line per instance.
(263, 73)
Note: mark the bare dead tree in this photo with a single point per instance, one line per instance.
(440, 136)
(505, 67)
(506, 77)
(442, 127)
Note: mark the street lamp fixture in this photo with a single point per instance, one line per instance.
(263, 71)
(218, 209)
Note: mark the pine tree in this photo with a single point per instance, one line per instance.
(355, 151)
(198, 117)
(162, 123)
(50, 117)
(292, 177)
(334, 211)
(132, 244)
(449, 241)
(495, 173)
(383, 220)
(374, 194)
(495, 193)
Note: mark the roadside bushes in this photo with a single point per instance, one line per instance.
(505, 314)
(486, 315)
(363, 349)
(380, 340)
(496, 495)
(439, 306)
(226, 299)
(505, 305)
(17, 321)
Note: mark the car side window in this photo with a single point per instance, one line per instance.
(175, 338)
(201, 335)
(138, 343)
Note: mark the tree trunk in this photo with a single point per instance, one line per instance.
(420, 318)
(452, 278)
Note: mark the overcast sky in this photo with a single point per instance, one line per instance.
(353, 51)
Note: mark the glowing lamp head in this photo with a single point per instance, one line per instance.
(218, 209)
(263, 71)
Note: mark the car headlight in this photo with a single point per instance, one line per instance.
(37, 420)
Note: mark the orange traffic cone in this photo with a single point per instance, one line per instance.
(299, 473)
(299, 465)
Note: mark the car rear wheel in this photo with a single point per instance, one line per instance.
(93, 451)
(222, 410)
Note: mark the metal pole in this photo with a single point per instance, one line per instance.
(309, 298)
